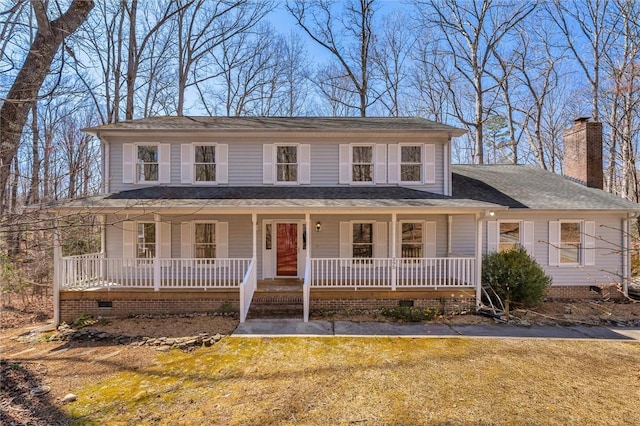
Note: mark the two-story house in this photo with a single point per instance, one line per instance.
(199, 212)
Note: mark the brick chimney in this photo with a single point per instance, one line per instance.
(583, 152)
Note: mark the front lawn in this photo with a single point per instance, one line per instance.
(375, 381)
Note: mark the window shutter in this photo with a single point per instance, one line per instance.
(222, 163)
(345, 164)
(128, 163)
(165, 240)
(589, 246)
(129, 238)
(429, 163)
(492, 236)
(528, 239)
(394, 163)
(380, 238)
(345, 240)
(430, 239)
(554, 243)
(380, 170)
(186, 245)
(186, 163)
(267, 163)
(164, 163)
(222, 240)
(304, 160)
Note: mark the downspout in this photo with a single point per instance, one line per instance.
(57, 267)
(447, 173)
(106, 169)
(479, 225)
(626, 253)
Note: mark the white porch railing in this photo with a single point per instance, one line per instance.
(96, 271)
(248, 286)
(393, 273)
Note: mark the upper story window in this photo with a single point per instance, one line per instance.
(286, 163)
(205, 240)
(146, 240)
(147, 163)
(362, 163)
(509, 236)
(411, 163)
(204, 163)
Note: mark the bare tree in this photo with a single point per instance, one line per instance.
(348, 36)
(471, 31)
(14, 111)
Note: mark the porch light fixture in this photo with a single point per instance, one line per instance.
(492, 213)
(318, 226)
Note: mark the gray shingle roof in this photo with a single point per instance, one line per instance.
(524, 186)
(172, 123)
(269, 197)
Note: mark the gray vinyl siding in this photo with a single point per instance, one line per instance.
(463, 236)
(608, 259)
(245, 162)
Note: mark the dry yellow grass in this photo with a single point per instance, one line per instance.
(375, 381)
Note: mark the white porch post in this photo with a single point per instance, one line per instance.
(57, 275)
(394, 268)
(449, 229)
(102, 219)
(626, 255)
(254, 226)
(478, 273)
(156, 259)
(307, 221)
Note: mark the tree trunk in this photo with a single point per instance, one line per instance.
(132, 65)
(34, 188)
(24, 90)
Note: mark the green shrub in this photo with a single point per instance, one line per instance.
(409, 313)
(516, 277)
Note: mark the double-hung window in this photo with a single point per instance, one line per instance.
(146, 240)
(362, 240)
(412, 240)
(411, 163)
(287, 163)
(509, 234)
(362, 163)
(147, 163)
(509, 237)
(204, 163)
(570, 243)
(205, 240)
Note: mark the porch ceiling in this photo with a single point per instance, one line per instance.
(272, 197)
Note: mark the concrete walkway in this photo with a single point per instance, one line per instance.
(294, 327)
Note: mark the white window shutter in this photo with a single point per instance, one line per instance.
(128, 163)
(589, 243)
(222, 163)
(429, 163)
(222, 240)
(129, 238)
(492, 236)
(165, 240)
(345, 240)
(380, 238)
(186, 162)
(380, 170)
(186, 245)
(528, 239)
(394, 164)
(345, 164)
(554, 243)
(430, 239)
(304, 161)
(164, 163)
(268, 161)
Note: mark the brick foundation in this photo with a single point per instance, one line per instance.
(584, 292)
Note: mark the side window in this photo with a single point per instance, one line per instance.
(509, 237)
(411, 163)
(570, 243)
(362, 163)
(205, 240)
(287, 163)
(146, 240)
(204, 163)
(147, 163)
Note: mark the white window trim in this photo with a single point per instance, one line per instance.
(135, 162)
(275, 165)
(422, 165)
(399, 237)
(520, 231)
(373, 239)
(135, 247)
(373, 165)
(193, 239)
(193, 164)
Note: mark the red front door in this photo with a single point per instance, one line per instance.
(287, 250)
